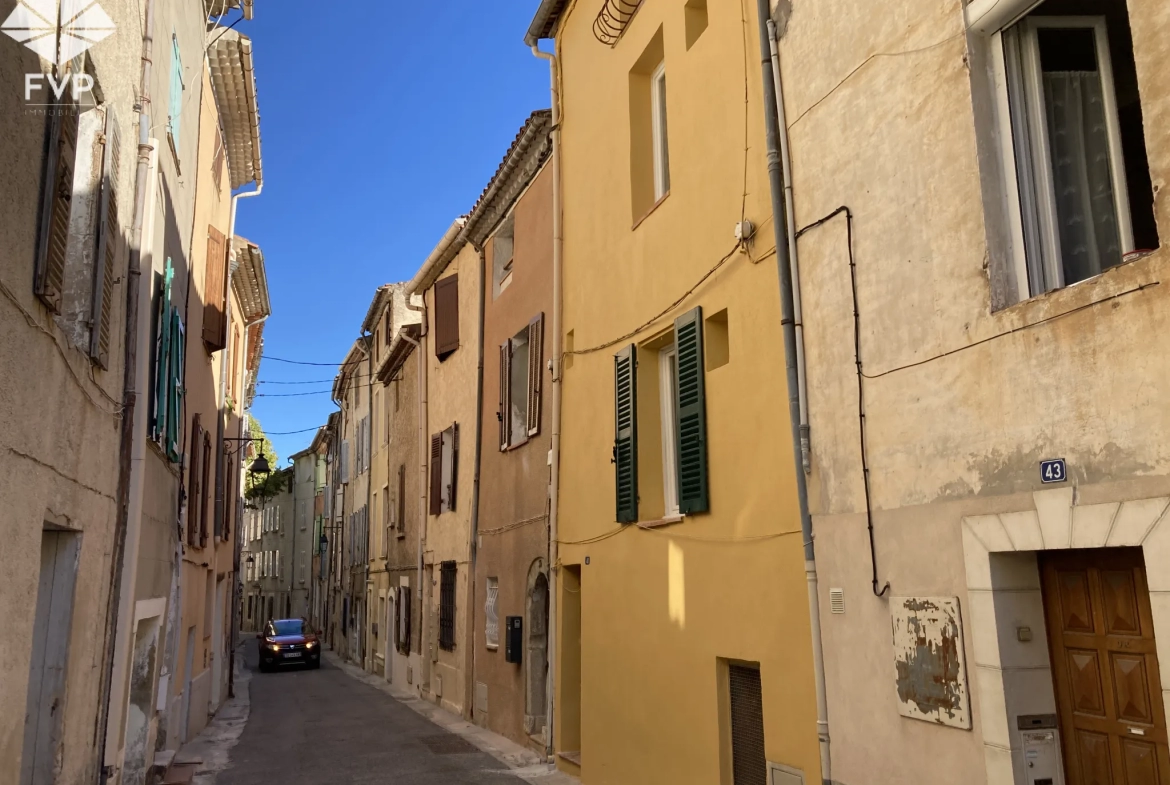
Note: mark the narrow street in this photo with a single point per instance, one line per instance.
(325, 726)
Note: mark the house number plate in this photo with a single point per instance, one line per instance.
(1053, 471)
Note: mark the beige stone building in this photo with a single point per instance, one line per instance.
(449, 283)
(979, 206)
(384, 323)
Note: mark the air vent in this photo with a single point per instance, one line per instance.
(779, 774)
(837, 600)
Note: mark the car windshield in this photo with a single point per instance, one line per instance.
(288, 627)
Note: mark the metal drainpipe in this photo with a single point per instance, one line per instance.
(473, 545)
(368, 657)
(793, 259)
(557, 370)
(130, 435)
(420, 348)
(788, 325)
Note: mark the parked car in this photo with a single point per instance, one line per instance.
(288, 642)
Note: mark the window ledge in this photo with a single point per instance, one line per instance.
(493, 647)
(647, 214)
(571, 757)
(667, 521)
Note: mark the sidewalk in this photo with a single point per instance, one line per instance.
(522, 762)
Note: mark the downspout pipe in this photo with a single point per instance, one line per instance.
(420, 348)
(473, 540)
(368, 656)
(133, 420)
(557, 371)
(793, 259)
(788, 323)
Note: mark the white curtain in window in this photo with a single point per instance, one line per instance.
(1079, 144)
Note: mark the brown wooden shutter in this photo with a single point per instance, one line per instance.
(195, 480)
(446, 316)
(454, 437)
(205, 504)
(215, 294)
(402, 497)
(505, 413)
(535, 372)
(436, 503)
(106, 267)
(53, 241)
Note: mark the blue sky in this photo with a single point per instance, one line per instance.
(381, 122)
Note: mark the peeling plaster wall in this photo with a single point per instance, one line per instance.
(967, 392)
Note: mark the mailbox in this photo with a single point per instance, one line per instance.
(514, 638)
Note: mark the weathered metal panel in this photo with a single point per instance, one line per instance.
(930, 669)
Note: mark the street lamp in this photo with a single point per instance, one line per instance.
(260, 466)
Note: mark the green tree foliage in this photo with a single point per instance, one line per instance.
(260, 488)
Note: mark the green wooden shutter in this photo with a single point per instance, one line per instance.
(175, 386)
(690, 408)
(162, 355)
(625, 445)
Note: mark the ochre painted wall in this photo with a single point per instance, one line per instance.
(659, 609)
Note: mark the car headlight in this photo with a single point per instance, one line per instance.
(311, 644)
(274, 646)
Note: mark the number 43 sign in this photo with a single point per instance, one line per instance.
(1053, 471)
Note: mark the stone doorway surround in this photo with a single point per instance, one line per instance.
(1014, 677)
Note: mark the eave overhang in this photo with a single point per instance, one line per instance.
(233, 79)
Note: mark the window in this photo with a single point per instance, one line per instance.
(649, 159)
(746, 709)
(387, 520)
(444, 470)
(503, 252)
(174, 112)
(289, 627)
(401, 521)
(681, 402)
(402, 608)
(170, 346)
(491, 614)
(446, 316)
(521, 375)
(658, 113)
(696, 20)
(1076, 153)
(667, 374)
(447, 572)
(217, 162)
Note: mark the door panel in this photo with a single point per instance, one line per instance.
(1105, 667)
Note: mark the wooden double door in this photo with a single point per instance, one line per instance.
(1105, 667)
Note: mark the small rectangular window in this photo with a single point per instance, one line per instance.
(658, 114)
(503, 253)
(667, 376)
(518, 389)
(447, 573)
(491, 614)
(446, 316)
(175, 110)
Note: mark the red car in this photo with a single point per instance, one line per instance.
(288, 642)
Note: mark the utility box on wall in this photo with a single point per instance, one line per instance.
(1041, 749)
(513, 638)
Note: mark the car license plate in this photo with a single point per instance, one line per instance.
(289, 654)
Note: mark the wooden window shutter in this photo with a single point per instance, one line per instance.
(505, 413)
(453, 432)
(162, 356)
(690, 406)
(625, 446)
(535, 372)
(446, 316)
(436, 501)
(402, 497)
(53, 240)
(106, 265)
(215, 291)
(203, 508)
(175, 385)
(195, 480)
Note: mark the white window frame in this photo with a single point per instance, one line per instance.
(669, 419)
(1029, 87)
(518, 433)
(492, 614)
(661, 145)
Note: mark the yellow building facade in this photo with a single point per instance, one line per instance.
(683, 633)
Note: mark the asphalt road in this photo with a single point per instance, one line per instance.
(325, 728)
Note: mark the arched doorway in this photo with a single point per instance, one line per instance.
(536, 661)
